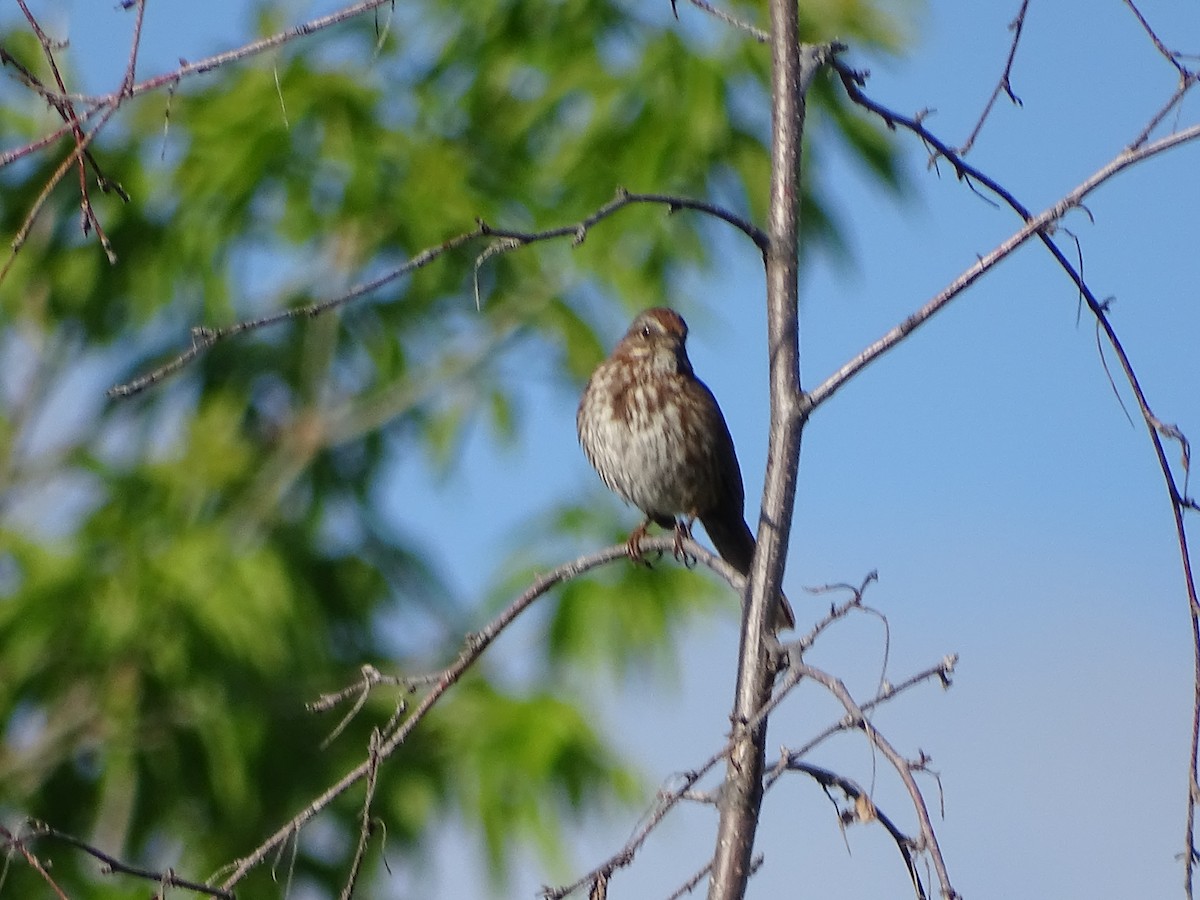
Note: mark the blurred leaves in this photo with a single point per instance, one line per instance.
(225, 556)
(623, 617)
(526, 763)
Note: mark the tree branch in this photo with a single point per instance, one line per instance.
(792, 68)
(863, 810)
(858, 719)
(165, 878)
(668, 799)
(1042, 225)
(473, 647)
(204, 337)
(1004, 85)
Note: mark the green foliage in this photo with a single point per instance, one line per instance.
(525, 763)
(618, 618)
(225, 557)
(625, 616)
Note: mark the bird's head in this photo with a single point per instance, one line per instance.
(657, 337)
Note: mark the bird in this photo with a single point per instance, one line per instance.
(655, 434)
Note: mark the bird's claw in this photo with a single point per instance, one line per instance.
(633, 546)
(683, 531)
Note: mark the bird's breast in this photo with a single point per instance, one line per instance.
(639, 436)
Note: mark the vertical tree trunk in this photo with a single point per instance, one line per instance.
(793, 67)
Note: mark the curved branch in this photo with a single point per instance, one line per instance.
(667, 800)
(864, 811)
(1004, 85)
(1042, 226)
(473, 647)
(902, 766)
(204, 337)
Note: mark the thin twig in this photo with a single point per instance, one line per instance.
(943, 672)
(836, 611)
(112, 864)
(1034, 225)
(1185, 85)
(864, 810)
(12, 842)
(690, 885)
(1004, 85)
(54, 179)
(204, 337)
(1167, 54)
(754, 31)
(63, 104)
(903, 768)
(131, 67)
(474, 646)
(366, 825)
(667, 800)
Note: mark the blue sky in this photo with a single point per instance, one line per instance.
(984, 468)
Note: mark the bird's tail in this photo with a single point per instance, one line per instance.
(735, 542)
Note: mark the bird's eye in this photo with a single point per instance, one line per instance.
(645, 331)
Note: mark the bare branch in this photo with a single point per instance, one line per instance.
(111, 864)
(1167, 54)
(729, 19)
(1004, 84)
(66, 109)
(943, 672)
(204, 337)
(366, 826)
(863, 810)
(1039, 225)
(80, 148)
(1042, 226)
(105, 106)
(902, 766)
(1186, 83)
(668, 799)
(131, 67)
(837, 611)
(473, 647)
(12, 842)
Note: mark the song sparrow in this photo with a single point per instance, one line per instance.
(656, 435)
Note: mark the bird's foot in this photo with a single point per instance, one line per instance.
(633, 546)
(683, 531)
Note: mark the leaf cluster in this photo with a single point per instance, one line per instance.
(178, 573)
